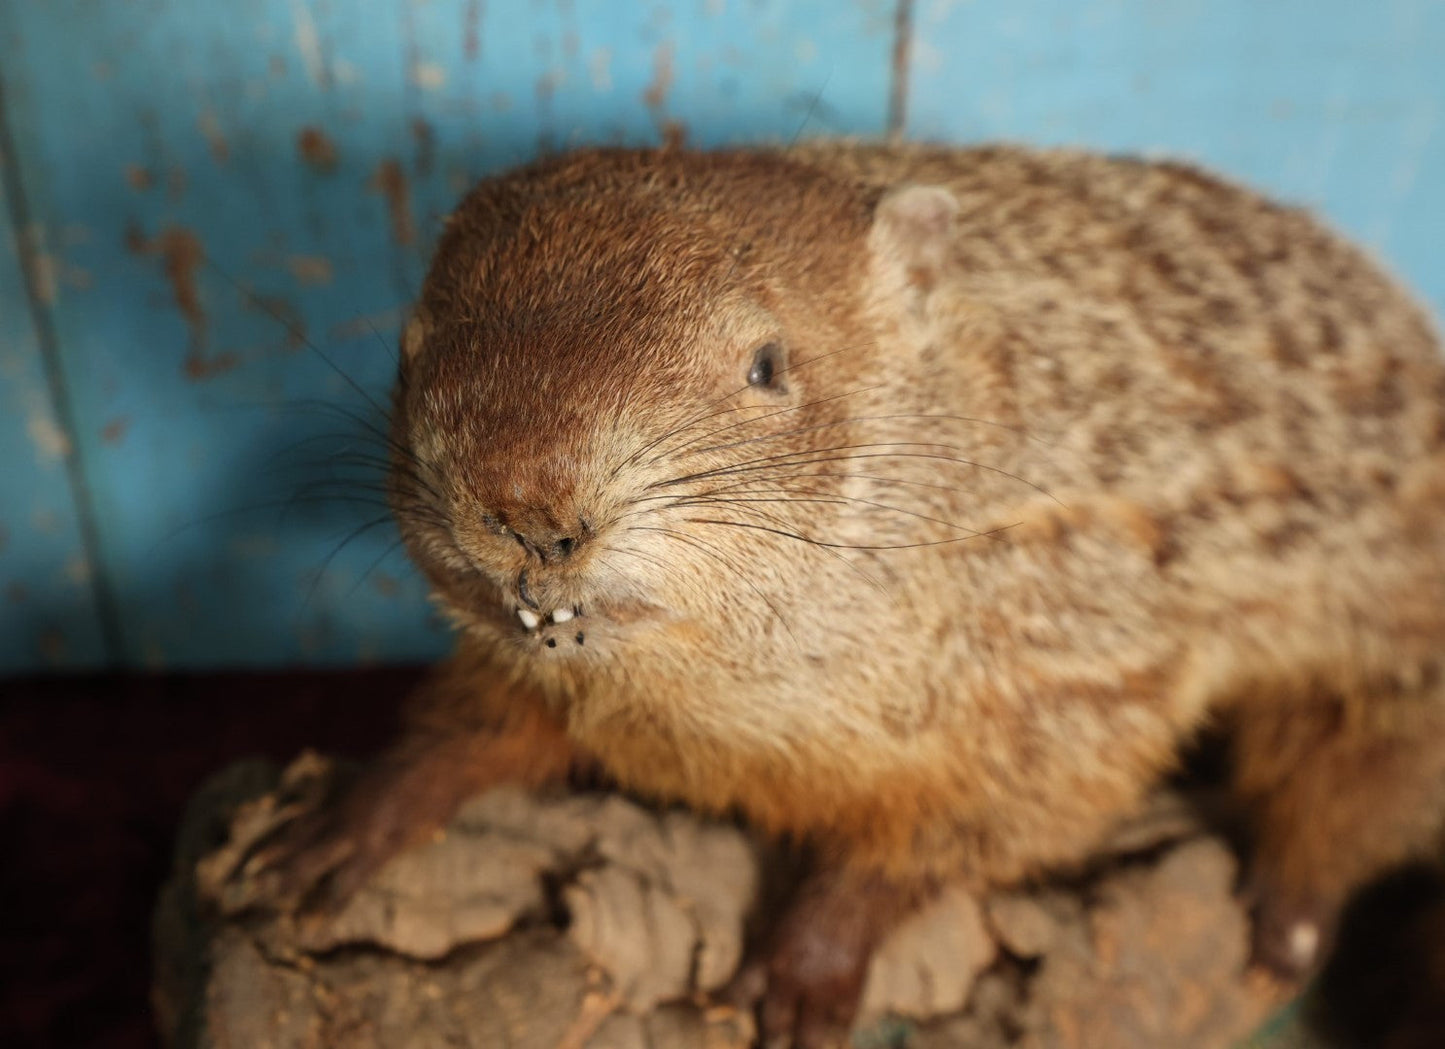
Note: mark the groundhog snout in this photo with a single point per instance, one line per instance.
(546, 539)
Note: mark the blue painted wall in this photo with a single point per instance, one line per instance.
(195, 189)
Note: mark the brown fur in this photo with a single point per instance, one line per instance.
(1102, 450)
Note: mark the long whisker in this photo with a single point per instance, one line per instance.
(293, 330)
(355, 534)
(779, 434)
(839, 499)
(825, 455)
(761, 418)
(852, 546)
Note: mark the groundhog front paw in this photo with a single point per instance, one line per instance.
(1293, 933)
(815, 979)
(819, 960)
(329, 834)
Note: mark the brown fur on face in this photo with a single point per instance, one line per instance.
(1066, 456)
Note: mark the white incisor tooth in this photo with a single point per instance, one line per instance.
(562, 615)
(529, 618)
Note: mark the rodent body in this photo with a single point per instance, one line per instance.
(1059, 458)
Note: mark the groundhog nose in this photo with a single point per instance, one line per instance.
(548, 542)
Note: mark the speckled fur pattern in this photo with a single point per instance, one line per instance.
(1072, 455)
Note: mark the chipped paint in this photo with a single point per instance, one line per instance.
(429, 76)
(199, 367)
(308, 42)
(655, 94)
(390, 181)
(182, 254)
(210, 127)
(50, 442)
(113, 432)
(317, 150)
(310, 269)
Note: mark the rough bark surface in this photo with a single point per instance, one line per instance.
(587, 922)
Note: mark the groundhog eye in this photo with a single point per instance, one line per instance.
(767, 366)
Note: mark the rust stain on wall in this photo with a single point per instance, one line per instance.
(317, 150)
(390, 181)
(182, 255)
(199, 366)
(655, 95)
(310, 269)
(113, 432)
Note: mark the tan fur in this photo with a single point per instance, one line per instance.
(1152, 450)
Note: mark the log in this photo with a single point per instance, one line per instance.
(587, 921)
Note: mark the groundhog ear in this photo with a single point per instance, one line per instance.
(912, 233)
(415, 335)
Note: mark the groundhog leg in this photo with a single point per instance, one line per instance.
(1341, 789)
(820, 954)
(468, 730)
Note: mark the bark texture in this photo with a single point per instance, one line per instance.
(585, 921)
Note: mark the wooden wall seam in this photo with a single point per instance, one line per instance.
(23, 222)
(898, 87)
